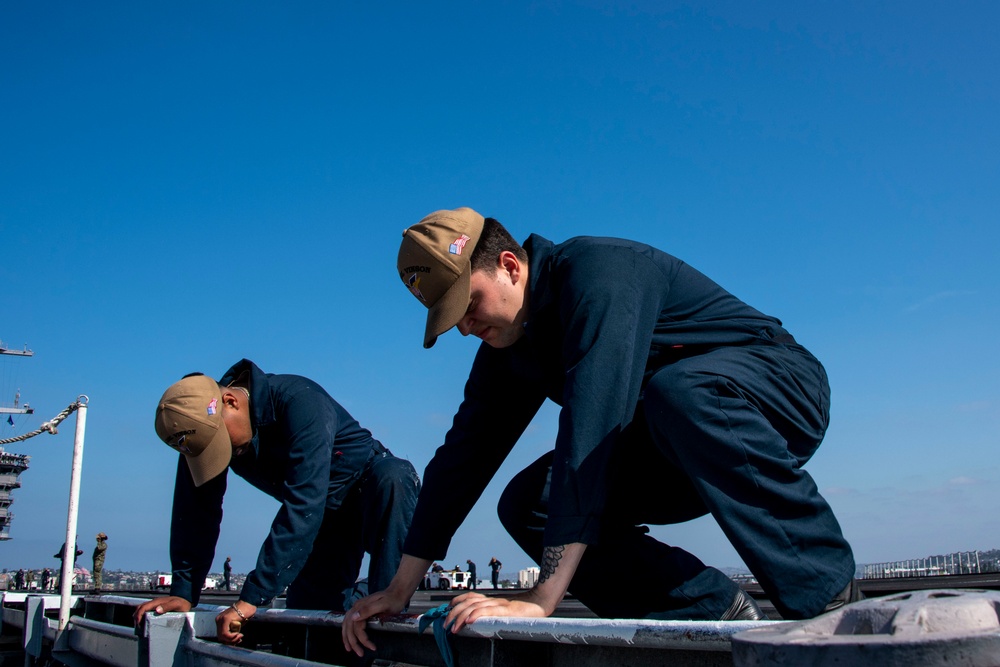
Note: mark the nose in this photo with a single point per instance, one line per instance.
(465, 326)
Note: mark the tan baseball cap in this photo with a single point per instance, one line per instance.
(434, 265)
(189, 419)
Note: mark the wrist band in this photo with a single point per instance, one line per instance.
(240, 613)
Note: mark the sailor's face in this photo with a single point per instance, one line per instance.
(495, 312)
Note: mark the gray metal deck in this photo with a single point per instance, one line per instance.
(100, 632)
(943, 627)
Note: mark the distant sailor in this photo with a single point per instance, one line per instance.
(472, 575)
(495, 566)
(342, 493)
(61, 555)
(100, 551)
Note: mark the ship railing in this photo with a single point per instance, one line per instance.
(100, 631)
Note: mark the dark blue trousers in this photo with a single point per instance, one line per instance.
(725, 432)
(373, 518)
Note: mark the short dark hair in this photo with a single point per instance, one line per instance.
(494, 240)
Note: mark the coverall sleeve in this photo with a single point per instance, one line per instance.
(609, 300)
(310, 427)
(194, 530)
(500, 401)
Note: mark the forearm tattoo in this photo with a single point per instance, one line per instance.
(550, 561)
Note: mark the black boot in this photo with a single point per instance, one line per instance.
(845, 597)
(743, 608)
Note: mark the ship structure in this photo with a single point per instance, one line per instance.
(11, 465)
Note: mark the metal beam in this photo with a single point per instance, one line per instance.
(293, 638)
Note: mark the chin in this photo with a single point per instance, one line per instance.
(505, 339)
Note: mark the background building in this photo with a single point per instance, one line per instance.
(527, 578)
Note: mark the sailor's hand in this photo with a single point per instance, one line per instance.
(229, 623)
(161, 606)
(559, 563)
(353, 630)
(465, 609)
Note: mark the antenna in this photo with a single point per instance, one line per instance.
(27, 409)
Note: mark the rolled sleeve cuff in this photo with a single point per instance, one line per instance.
(570, 529)
(183, 589)
(255, 595)
(427, 549)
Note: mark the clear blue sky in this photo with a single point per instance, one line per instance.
(186, 184)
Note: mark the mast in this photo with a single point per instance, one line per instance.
(11, 465)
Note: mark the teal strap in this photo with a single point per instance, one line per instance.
(436, 618)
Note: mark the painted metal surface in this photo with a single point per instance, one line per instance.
(106, 643)
(937, 627)
(688, 635)
(100, 630)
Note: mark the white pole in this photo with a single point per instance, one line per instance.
(69, 557)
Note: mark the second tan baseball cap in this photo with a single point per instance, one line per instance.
(189, 419)
(434, 264)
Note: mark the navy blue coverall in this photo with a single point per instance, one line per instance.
(341, 492)
(677, 400)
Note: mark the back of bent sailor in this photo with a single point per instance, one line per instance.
(342, 493)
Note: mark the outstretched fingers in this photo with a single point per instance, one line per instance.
(353, 632)
(160, 605)
(469, 608)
